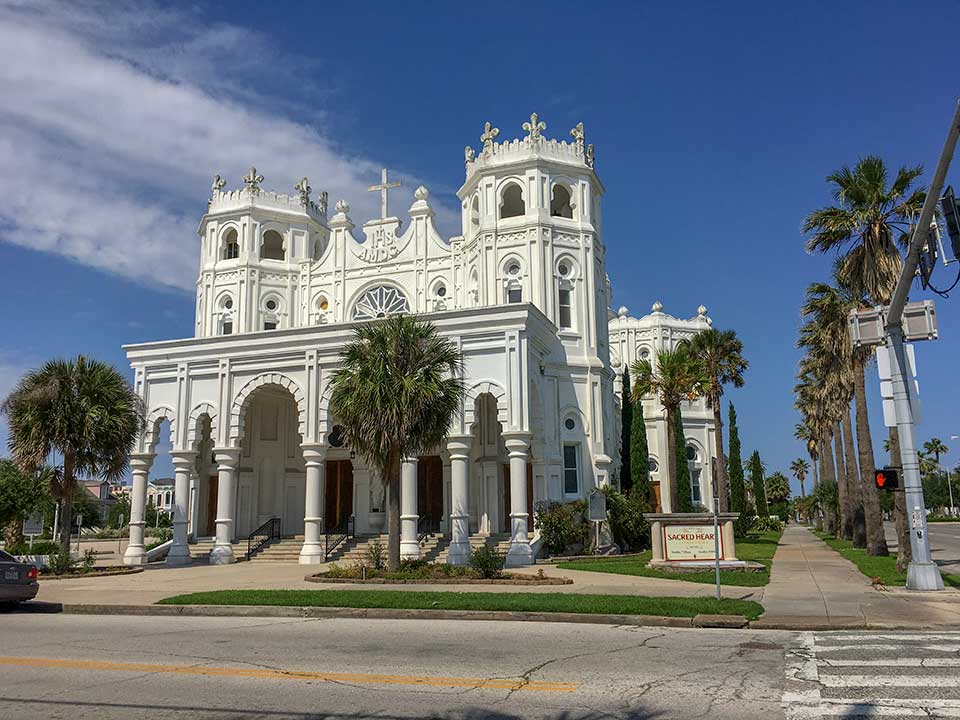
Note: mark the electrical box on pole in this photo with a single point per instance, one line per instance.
(951, 214)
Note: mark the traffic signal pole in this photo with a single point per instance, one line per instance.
(922, 573)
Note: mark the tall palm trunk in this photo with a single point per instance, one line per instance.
(393, 512)
(67, 484)
(904, 551)
(671, 459)
(853, 482)
(876, 543)
(843, 489)
(803, 492)
(723, 481)
(827, 475)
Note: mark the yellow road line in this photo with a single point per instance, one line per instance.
(482, 683)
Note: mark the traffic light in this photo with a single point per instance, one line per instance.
(887, 478)
(951, 214)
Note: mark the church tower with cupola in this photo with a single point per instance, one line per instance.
(253, 242)
(532, 234)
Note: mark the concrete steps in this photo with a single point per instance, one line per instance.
(500, 543)
(200, 550)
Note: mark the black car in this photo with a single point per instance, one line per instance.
(18, 580)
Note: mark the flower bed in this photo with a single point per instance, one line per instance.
(99, 572)
(418, 572)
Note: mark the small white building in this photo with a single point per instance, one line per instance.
(523, 292)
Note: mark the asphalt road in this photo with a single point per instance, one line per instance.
(73, 667)
(944, 544)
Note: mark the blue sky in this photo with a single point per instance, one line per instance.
(715, 125)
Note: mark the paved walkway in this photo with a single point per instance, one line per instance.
(811, 584)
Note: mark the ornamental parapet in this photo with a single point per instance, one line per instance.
(251, 195)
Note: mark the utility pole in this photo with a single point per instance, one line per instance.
(922, 573)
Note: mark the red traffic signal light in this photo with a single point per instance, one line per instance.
(887, 478)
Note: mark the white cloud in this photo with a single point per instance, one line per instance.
(109, 135)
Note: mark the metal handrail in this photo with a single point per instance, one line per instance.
(426, 526)
(339, 535)
(270, 530)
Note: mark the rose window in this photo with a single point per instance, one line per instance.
(379, 302)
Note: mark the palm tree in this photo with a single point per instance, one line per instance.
(935, 447)
(799, 469)
(81, 411)
(395, 395)
(720, 353)
(803, 431)
(861, 226)
(678, 377)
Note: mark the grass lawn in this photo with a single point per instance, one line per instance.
(530, 602)
(884, 568)
(758, 548)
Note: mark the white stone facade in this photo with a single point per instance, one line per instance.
(523, 292)
(634, 338)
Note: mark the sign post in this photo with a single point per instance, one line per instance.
(79, 528)
(33, 526)
(597, 511)
(120, 536)
(716, 526)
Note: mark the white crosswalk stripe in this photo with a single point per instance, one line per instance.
(865, 675)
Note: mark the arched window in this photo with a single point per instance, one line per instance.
(560, 203)
(475, 215)
(226, 315)
(380, 301)
(271, 247)
(231, 245)
(696, 469)
(271, 312)
(565, 308)
(511, 202)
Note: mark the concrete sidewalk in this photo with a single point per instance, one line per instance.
(811, 585)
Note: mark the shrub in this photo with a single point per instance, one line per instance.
(486, 562)
(60, 562)
(563, 527)
(42, 547)
(88, 562)
(630, 529)
(376, 557)
(161, 536)
(767, 524)
(781, 510)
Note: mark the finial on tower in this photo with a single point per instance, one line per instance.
(589, 158)
(303, 190)
(489, 135)
(657, 306)
(342, 207)
(252, 180)
(623, 311)
(218, 184)
(578, 136)
(534, 127)
(324, 200)
(468, 155)
(702, 310)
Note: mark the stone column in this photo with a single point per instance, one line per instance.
(517, 447)
(140, 469)
(314, 457)
(409, 547)
(183, 466)
(228, 460)
(459, 449)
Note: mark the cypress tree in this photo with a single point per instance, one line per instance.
(626, 428)
(640, 455)
(759, 491)
(738, 492)
(683, 502)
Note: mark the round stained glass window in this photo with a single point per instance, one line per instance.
(441, 291)
(271, 304)
(691, 453)
(563, 269)
(570, 423)
(324, 304)
(228, 303)
(380, 302)
(513, 269)
(336, 436)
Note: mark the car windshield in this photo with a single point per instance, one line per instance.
(6, 557)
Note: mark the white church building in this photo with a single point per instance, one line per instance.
(522, 291)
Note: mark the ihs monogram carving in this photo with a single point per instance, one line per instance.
(534, 127)
(381, 245)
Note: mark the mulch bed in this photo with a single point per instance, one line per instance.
(509, 580)
(104, 572)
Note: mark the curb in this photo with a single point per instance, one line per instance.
(374, 613)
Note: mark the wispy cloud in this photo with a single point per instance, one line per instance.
(110, 133)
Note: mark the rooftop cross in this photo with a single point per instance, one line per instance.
(383, 187)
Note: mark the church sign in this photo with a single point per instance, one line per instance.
(689, 542)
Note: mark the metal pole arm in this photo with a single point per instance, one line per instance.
(921, 229)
